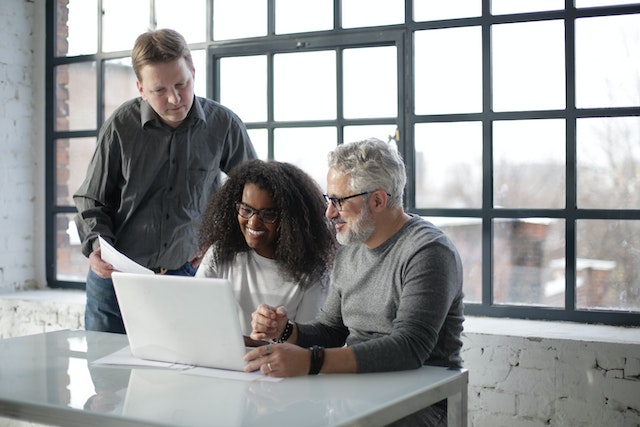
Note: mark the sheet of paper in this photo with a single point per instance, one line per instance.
(119, 260)
(123, 357)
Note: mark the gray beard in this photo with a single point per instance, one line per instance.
(359, 230)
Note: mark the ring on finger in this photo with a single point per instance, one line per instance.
(267, 349)
(269, 367)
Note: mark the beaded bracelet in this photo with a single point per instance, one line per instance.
(317, 359)
(286, 334)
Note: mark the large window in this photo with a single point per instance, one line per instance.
(519, 122)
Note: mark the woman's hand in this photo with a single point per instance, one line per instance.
(268, 322)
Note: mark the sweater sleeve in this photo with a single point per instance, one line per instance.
(430, 288)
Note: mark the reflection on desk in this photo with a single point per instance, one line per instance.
(37, 384)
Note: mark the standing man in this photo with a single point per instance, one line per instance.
(158, 159)
(396, 289)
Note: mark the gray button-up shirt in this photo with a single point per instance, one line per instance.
(148, 184)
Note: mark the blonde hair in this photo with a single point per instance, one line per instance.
(157, 46)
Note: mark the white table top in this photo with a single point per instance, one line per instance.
(47, 378)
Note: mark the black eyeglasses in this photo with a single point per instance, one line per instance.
(268, 216)
(337, 201)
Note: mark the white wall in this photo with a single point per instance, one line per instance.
(22, 168)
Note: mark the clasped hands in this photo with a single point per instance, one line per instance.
(275, 360)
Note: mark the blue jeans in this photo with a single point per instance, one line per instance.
(102, 312)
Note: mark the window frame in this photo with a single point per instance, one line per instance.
(401, 36)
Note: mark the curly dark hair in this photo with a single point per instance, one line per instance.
(306, 244)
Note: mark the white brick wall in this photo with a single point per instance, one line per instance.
(21, 139)
(523, 378)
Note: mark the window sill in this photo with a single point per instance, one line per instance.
(542, 329)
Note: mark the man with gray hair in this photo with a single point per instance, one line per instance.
(396, 296)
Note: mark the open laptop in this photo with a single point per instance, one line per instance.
(181, 319)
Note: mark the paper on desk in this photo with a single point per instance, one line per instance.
(123, 357)
(119, 260)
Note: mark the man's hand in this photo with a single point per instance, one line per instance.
(101, 268)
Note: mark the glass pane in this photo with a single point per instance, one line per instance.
(591, 3)
(466, 235)
(79, 26)
(188, 17)
(243, 86)
(71, 264)
(72, 160)
(607, 267)
(368, 13)
(607, 66)
(528, 261)
(75, 96)
(528, 66)
(122, 22)
(306, 148)
(358, 133)
(370, 92)
(448, 165)
(231, 19)
(305, 86)
(430, 10)
(608, 163)
(448, 71)
(503, 7)
(199, 58)
(294, 16)
(529, 158)
(260, 140)
(119, 84)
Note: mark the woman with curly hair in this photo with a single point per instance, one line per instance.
(265, 230)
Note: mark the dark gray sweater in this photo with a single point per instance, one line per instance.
(398, 306)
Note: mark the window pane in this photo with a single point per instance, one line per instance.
(119, 84)
(502, 7)
(188, 17)
(199, 58)
(260, 140)
(359, 133)
(608, 271)
(466, 235)
(71, 264)
(591, 3)
(528, 261)
(370, 91)
(75, 96)
(243, 86)
(448, 71)
(429, 10)
(448, 165)
(306, 148)
(122, 22)
(607, 66)
(367, 13)
(294, 16)
(79, 27)
(529, 164)
(231, 19)
(608, 155)
(305, 86)
(72, 160)
(528, 66)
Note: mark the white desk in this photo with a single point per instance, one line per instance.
(46, 378)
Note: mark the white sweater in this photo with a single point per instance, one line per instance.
(258, 280)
